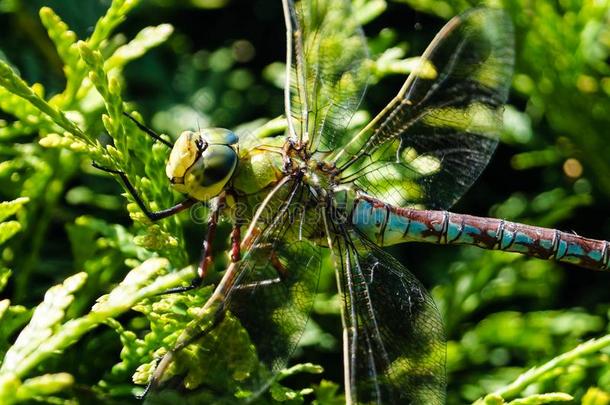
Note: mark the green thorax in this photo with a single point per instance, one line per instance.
(260, 164)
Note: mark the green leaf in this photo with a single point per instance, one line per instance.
(115, 15)
(8, 229)
(8, 208)
(44, 385)
(542, 399)
(328, 393)
(45, 320)
(146, 39)
(46, 334)
(63, 39)
(596, 396)
(14, 84)
(110, 90)
(563, 360)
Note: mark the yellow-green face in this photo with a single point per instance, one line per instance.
(201, 163)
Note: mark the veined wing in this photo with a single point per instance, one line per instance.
(274, 291)
(325, 54)
(394, 349)
(433, 140)
(270, 291)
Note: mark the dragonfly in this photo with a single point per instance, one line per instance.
(322, 187)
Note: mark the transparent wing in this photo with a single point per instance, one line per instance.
(274, 293)
(396, 349)
(268, 295)
(326, 51)
(432, 141)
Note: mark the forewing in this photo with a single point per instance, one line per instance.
(326, 52)
(433, 140)
(396, 348)
(274, 292)
(270, 291)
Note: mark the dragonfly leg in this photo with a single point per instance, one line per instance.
(206, 251)
(281, 270)
(282, 273)
(236, 243)
(148, 131)
(152, 215)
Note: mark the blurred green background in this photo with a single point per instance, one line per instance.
(503, 313)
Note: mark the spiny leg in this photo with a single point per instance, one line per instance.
(152, 215)
(148, 131)
(206, 251)
(236, 243)
(281, 270)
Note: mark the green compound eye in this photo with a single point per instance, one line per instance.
(201, 163)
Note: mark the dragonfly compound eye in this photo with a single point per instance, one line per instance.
(201, 163)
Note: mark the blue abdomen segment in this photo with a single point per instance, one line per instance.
(388, 225)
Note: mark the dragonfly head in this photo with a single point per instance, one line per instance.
(201, 163)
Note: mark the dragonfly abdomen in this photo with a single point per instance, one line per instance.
(389, 225)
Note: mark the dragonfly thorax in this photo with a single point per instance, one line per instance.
(201, 163)
(318, 174)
